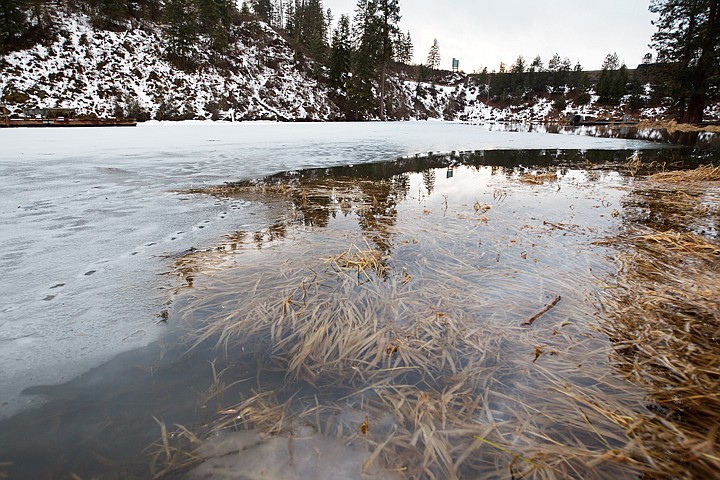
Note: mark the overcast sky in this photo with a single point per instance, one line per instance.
(483, 33)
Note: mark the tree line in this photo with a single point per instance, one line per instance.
(561, 80)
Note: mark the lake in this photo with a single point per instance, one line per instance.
(429, 293)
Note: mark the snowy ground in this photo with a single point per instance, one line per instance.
(97, 71)
(91, 215)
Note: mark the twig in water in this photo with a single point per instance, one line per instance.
(290, 448)
(542, 312)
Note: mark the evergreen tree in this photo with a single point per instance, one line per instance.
(636, 89)
(341, 55)
(565, 65)
(609, 84)
(619, 86)
(582, 89)
(111, 13)
(365, 60)
(146, 9)
(537, 65)
(404, 49)
(388, 16)
(245, 9)
(278, 14)
(262, 10)
(688, 41)
(518, 66)
(215, 20)
(314, 29)
(289, 22)
(306, 23)
(180, 30)
(433, 58)
(611, 62)
(13, 23)
(555, 63)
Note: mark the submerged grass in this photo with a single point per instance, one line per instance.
(664, 320)
(538, 178)
(448, 363)
(459, 405)
(665, 324)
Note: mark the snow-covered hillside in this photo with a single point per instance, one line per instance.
(98, 71)
(110, 74)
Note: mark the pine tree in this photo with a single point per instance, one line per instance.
(180, 29)
(215, 20)
(582, 89)
(537, 65)
(13, 23)
(688, 42)
(608, 88)
(388, 16)
(307, 24)
(341, 55)
(518, 66)
(245, 9)
(278, 14)
(262, 9)
(365, 60)
(611, 62)
(111, 13)
(619, 85)
(555, 63)
(404, 49)
(313, 30)
(433, 58)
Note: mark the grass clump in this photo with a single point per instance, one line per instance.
(664, 321)
(704, 173)
(448, 359)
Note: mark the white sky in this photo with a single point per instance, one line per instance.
(482, 33)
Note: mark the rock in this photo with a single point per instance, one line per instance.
(251, 455)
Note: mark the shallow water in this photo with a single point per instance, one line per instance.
(90, 216)
(469, 235)
(709, 140)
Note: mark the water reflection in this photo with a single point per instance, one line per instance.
(436, 344)
(371, 192)
(628, 132)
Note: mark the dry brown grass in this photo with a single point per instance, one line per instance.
(365, 262)
(672, 126)
(705, 173)
(470, 391)
(538, 178)
(464, 401)
(665, 324)
(664, 320)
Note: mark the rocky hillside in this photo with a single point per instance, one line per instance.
(127, 73)
(108, 73)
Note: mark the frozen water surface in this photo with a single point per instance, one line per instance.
(90, 215)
